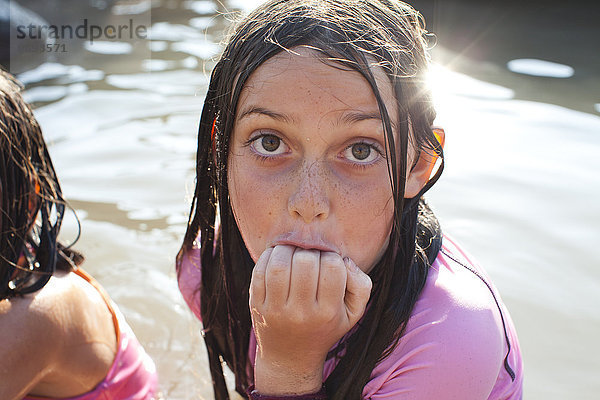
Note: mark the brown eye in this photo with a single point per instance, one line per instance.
(361, 151)
(270, 143)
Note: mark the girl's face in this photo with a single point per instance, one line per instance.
(308, 165)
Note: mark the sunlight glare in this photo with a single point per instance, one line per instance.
(444, 83)
(245, 5)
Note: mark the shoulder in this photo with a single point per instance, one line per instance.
(64, 328)
(29, 327)
(88, 334)
(31, 319)
(61, 308)
(454, 338)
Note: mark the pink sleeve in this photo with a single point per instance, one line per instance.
(189, 278)
(454, 345)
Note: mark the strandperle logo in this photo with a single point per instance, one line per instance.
(85, 30)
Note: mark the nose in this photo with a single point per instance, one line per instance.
(309, 200)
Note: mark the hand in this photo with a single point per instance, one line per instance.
(301, 302)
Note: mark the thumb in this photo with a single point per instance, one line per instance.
(358, 291)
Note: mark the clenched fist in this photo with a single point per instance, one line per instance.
(302, 302)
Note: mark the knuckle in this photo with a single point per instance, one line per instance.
(306, 257)
(277, 268)
(366, 284)
(333, 264)
(257, 278)
(332, 282)
(330, 258)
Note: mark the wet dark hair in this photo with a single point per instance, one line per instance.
(31, 200)
(351, 35)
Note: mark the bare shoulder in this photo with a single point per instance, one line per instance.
(28, 321)
(28, 329)
(64, 330)
(59, 307)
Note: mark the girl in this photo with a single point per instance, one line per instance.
(62, 337)
(316, 267)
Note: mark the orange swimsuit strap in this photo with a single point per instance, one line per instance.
(90, 279)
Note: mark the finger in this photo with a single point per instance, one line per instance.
(305, 275)
(277, 275)
(332, 280)
(358, 290)
(257, 284)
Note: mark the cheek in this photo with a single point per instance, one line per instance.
(366, 222)
(254, 201)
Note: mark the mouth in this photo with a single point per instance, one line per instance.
(308, 244)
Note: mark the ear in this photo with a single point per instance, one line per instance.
(421, 172)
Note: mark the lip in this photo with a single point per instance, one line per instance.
(303, 242)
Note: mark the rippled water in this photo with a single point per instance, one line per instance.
(520, 191)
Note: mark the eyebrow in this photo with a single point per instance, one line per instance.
(264, 111)
(347, 117)
(353, 117)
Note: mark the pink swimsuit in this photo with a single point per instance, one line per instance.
(132, 375)
(460, 342)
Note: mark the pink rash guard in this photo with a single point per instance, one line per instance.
(459, 343)
(132, 375)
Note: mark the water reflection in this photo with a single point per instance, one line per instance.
(132, 8)
(175, 82)
(201, 50)
(201, 7)
(102, 47)
(530, 66)
(45, 94)
(244, 5)
(62, 73)
(173, 32)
